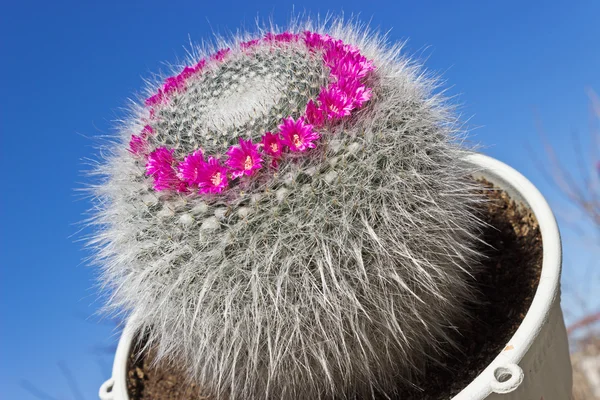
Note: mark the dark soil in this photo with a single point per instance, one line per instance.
(507, 283)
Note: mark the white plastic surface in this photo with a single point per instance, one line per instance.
(534, 364)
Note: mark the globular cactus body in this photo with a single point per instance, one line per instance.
(335, 271)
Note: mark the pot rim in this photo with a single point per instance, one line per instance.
(502, 375)
(547, 293)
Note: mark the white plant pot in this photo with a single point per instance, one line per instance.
(534, 364)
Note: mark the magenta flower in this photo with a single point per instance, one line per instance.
(272, 144)
(314, 114)
(335, 102)
(146, 131)
(362, 95)
(249, 44)
(200, 65)
(137, 145)
(316, 41)
(245, 159)
(297, 135)
(212, 176)
(156, 99)
(188, 72)
(352, 66)
(346, 61)
(160, 167)
(181, 186)
(313, 40)
(365, 66)
(356, 91)
(159, 160)
(286, 37)
(220, 55)
(335, 51)
(189, 168)
(173, 84)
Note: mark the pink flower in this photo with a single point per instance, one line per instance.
(182, 187)
(314, 114)
(316, 41)
(335, 50)
(187, 72)
(156, 99)
(212, 176)
(173, 84)
(189, 168)
(138, 144)
(353, 66)
(356, 91)
(146, 131)
(335, 102)
(346, 61)
(313, 40)
(285, 37)
(178, 82)
(365, 66)
(249, 44)
(362, 95)
(272, 144)
(200, 65)
(160, 167)
(297, 135)
(245, 159)
(221, 54)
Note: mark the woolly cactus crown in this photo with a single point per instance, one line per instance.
(289, 217)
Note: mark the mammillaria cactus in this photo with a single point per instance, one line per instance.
(289, 217)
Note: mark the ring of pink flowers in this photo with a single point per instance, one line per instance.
(345, 93)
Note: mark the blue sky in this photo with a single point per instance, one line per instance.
(68, 67)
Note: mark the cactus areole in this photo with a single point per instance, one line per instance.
(289, 216)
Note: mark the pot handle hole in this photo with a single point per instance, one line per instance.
(106, 390)
(506, 378)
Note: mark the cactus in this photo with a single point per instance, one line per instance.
(334, 270)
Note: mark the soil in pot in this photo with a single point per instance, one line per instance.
(507, 283)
